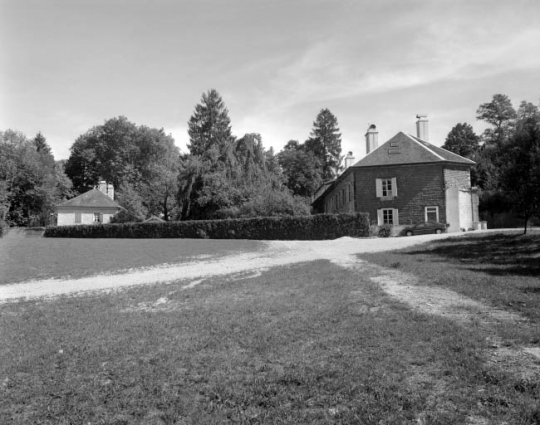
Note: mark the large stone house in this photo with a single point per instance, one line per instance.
(92, 207)
(404, 181)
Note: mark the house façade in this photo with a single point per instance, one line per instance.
(92, 207)
(404, 181)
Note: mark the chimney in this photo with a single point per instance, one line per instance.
(349, 160)
(422, 127)
(102, 187)
(110, 191)
(372, 139)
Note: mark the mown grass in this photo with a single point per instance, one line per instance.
(502, 270)
(313, 343)
(31, 258)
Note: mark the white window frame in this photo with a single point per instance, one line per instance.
(432, 209)
(382, 188)
(394, 214)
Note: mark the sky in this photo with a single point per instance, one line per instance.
(69, 65)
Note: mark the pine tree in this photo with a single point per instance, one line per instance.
(325, 143)
(210, 128)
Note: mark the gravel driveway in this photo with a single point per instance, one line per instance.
(276, 253)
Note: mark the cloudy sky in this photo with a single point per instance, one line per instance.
(68, 65)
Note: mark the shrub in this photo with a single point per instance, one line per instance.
(385, 231)
(373, 230)
(312, 227)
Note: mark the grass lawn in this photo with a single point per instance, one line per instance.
(502, 270)
(307, 344)
(31, 258)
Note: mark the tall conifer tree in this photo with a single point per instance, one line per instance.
(325, 143)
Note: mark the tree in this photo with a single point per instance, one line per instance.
(133, 209)
(126, 155)
(302, 170)
(520, 179)
(499, 113)
(210, 128)
(462, 140)
(325, 143)
(28, 189)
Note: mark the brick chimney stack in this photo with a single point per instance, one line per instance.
(110, 191)
(372, 138)
(349, 160)
(422, 127)
(107, 189)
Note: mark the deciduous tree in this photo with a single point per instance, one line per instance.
(126, 155)
(520, 178)
(501, 115)
(462, 140)
(302, 170)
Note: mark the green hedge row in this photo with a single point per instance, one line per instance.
(313, 227)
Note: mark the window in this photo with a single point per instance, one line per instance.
(432, 214)
(350, 193)
(387, 216)
(77, 218)
(386, 188)
(97, 218)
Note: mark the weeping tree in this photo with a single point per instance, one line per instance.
(222, 174)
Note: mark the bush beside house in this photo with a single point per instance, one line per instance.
(317, 227)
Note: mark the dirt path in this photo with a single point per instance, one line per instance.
(277, 253)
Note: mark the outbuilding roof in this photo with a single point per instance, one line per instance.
(406, 149)
(92, 198)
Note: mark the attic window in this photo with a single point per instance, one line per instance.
(394, 150)
(394, 144)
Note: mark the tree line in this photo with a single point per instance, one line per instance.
(224, 176)
(507, 157)
(221, 175)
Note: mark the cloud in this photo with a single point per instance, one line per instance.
(444, 50)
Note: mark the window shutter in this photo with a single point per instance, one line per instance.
(379, 217)
(394, 187)
(378, 187)
(396, 217)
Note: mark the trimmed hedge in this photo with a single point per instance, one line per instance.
(312, 227)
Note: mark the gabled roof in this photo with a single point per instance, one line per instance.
(154, 219)
(406, 149)
(92, 198)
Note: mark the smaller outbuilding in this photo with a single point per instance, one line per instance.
(93, 207)
(154, 219)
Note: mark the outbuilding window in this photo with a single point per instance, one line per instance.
(78, 217)
(97, 217)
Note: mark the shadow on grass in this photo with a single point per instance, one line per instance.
(498, 254)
